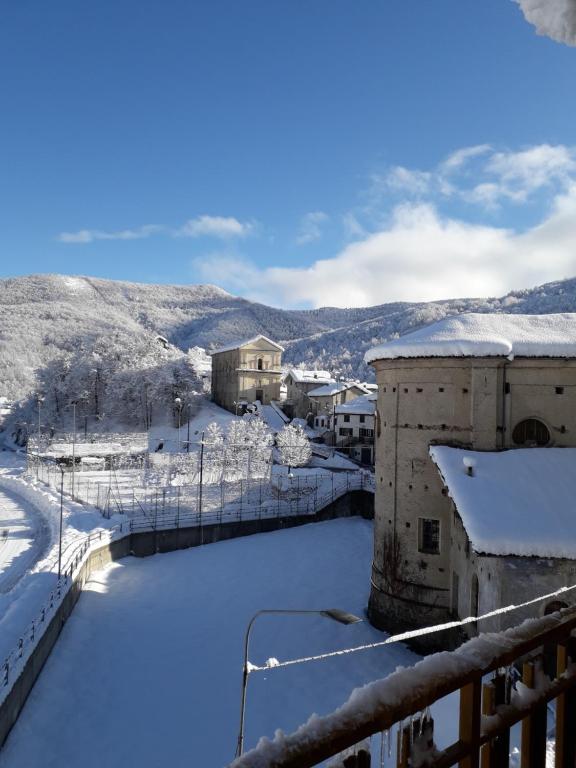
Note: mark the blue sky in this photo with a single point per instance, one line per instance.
(301, 153)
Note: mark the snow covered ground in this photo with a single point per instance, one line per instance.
(147, 671)
(23, 536)
(175, 440)
(27, 577)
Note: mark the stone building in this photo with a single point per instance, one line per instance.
(247, 371)
(298, 384)
(483, 383)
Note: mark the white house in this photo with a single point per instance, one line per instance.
(354, 427)
(325, 398)
(298, 385)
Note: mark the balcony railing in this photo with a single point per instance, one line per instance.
(502, 680)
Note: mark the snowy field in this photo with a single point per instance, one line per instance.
(22, 537)
(147, 671)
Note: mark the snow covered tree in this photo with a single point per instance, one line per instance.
(294, 446)
(260, 443)
(213, 453)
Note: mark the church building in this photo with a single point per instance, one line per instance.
(475, 470)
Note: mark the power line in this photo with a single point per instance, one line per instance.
(409, 635)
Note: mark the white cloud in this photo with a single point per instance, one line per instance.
(311, 227)
(461, 156)
(221, 227)
(552, 18)
(497, 176)
(406, 180)
(90, 235)
(421, 256)
(521, 173)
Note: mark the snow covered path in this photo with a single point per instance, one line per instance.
(22, 538)
(147, 670)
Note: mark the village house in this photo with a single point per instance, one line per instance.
(475, 460)
(246, 372)
(354, 428)
(298, 384)
(324, 399)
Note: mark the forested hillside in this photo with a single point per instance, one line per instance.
(52, 317)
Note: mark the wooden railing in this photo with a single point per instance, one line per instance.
(502, 679)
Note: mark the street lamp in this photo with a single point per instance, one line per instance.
(39, 400)
(342, 617)
(61, 466)
(178, 404)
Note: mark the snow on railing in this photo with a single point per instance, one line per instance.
(483, 672)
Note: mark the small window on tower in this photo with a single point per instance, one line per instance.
(429, 536)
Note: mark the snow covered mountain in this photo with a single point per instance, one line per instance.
(42, 316)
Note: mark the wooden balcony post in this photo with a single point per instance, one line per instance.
(496, 753)
(565, 710)
(470, 719)
(533, 749)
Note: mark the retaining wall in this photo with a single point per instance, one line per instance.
(142, 544)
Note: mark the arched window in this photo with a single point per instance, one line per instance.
(260, 364)
(531, 432)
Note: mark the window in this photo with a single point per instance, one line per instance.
(346, 419)
(531, 432)
(366, 432)
(260, 364)
(346, 432)
(429, 536)
(474, 596)
(362, 419)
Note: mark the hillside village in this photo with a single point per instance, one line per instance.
(461, 452)
(288, 385)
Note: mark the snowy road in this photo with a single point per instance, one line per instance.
(147, 671)
(21, 538)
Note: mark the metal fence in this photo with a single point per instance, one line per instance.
(164, 508)
(122, 490)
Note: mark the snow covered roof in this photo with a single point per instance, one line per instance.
(309, 377)
(363, 405)
(244, 342)
(517, 502)
(486, 335)
(333, 389)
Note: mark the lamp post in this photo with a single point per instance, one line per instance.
(178, 404)
(39, 400)
(342, 617)
(61, 467)
(73, 404)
